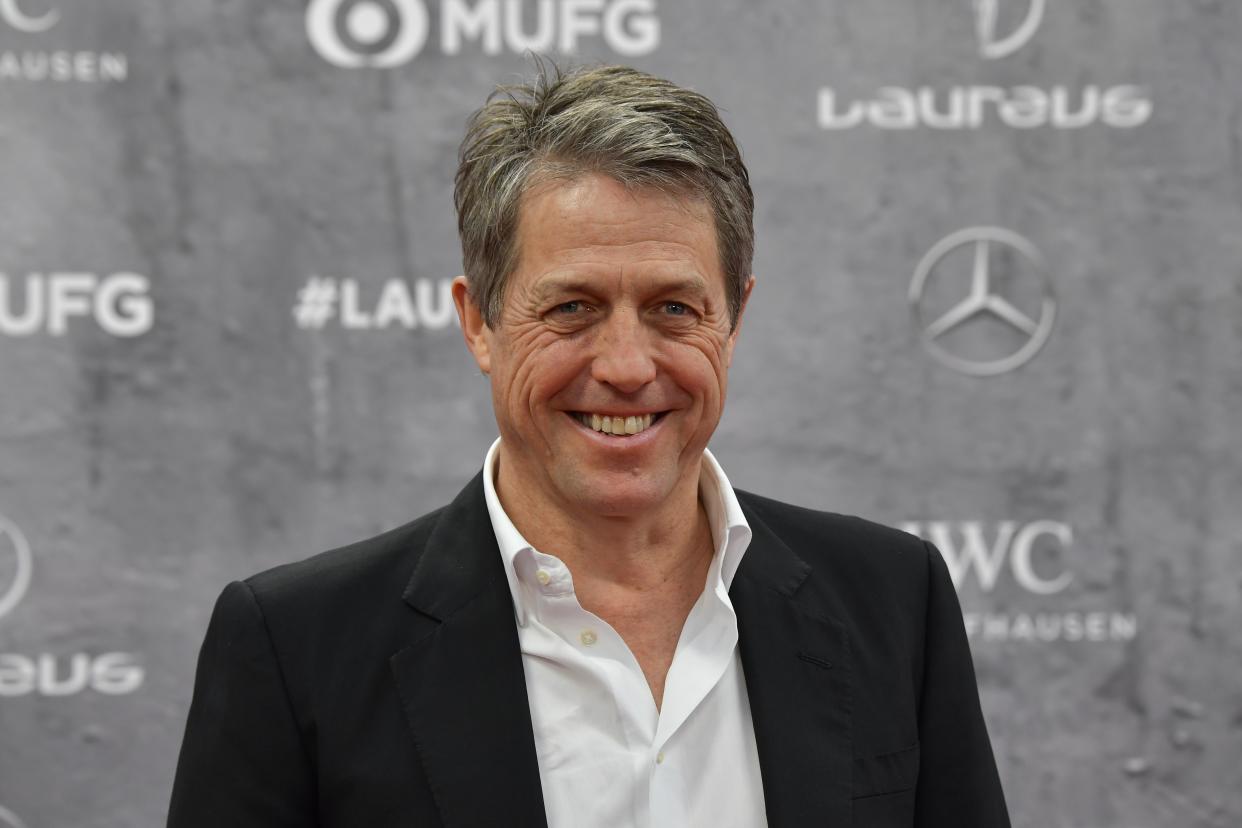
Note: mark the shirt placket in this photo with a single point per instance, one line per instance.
(702, 657)
(600, 649)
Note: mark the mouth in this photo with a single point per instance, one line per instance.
(617, 425)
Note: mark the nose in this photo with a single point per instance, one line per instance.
(622, 356)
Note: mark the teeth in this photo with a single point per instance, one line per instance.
(619, 426)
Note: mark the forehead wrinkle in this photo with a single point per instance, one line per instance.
(571, 236)
(569, 203)
(589, 259)
(632, 237)
(574, 193)
(594, 241)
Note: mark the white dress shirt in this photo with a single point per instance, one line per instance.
(607, 756)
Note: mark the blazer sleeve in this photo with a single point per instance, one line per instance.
(958, 783)
(242, 760)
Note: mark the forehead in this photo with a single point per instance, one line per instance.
(594, 224)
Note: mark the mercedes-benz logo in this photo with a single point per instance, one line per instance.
(13, 544)
(981, 300)
(992, 47)
(18, 19)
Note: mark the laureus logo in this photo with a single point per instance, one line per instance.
(19, 19)
(975, 105)
(987, 18)
(51, 674)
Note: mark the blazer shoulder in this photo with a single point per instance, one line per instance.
(788, 520)
(358, 570)
(841, 543)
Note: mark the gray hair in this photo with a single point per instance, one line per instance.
(641, 130)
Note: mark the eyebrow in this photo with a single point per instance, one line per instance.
(573, 283)
(686, 284)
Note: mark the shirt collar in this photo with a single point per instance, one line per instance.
(731, 533)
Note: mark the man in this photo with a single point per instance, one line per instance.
(598, 631)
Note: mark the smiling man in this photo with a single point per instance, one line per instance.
(598, 631)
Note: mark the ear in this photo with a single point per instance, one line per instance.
(737, 326)
(477, 334)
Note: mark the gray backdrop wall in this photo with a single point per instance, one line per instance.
(999, 304)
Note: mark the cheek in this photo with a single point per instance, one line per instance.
(698, 368)
(539, 367)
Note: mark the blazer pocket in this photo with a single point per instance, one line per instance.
(887, 773)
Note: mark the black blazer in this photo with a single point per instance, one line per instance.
(381, 684)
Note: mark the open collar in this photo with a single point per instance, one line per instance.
(731, 534)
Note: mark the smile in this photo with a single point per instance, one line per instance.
(617, 425)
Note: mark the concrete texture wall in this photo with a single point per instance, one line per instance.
(226, 230)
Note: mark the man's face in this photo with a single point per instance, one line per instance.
(616, 310)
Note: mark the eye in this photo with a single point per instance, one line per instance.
(674, 312)
(571, 314)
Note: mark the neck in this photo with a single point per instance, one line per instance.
(669, 546)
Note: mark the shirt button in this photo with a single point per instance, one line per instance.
(588, 637)
(660, 758)
(543, 577)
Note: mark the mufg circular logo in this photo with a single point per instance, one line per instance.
(15, 566)
(13, 14)
(8, 819)
(382, 34)
(374, 33)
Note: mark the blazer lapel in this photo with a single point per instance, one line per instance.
(461, 681)
(797, 668)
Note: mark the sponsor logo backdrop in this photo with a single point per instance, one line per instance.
(999, 306)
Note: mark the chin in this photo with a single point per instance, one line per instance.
(622, 496)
